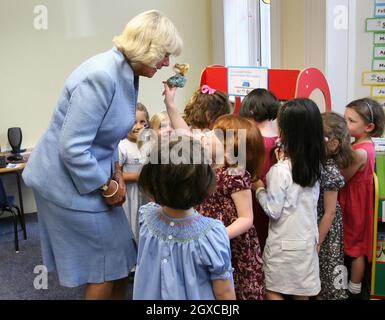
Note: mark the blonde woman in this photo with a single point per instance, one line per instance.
(74, 170)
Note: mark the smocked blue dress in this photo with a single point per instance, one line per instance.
(179, 258)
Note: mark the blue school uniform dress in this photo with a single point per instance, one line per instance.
(82, 238)
(179, 258)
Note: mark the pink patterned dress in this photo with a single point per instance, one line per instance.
(245, 250)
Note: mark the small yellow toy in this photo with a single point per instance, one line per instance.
(179, 79)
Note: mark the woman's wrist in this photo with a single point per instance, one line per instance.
(259, 190)
(112, 190)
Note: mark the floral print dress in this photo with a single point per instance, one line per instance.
(333, 274)
(245, 249)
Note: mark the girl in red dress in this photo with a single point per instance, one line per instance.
(365, 119)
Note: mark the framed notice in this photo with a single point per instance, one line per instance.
(375, 78)
(378, 65)
(242, 80)
(379, 52)
(378, 93)
(375, 24)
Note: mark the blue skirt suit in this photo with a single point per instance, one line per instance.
(82, 238)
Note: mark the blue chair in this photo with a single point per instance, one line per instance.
(7, 204)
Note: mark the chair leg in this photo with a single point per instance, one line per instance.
(22, 222)
(15, 231)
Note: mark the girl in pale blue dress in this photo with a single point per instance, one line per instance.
(182, 255)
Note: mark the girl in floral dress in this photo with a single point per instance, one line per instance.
(232, 203)
(333, 273)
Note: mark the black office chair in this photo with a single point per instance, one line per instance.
(7, 204)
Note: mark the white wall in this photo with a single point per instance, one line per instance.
(35, 63)
(349, 49)
(308, 33)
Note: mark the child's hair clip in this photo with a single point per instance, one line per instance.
(206, 89)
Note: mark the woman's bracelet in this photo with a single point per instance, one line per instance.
(114, 193)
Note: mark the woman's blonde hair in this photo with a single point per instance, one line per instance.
(148, 37)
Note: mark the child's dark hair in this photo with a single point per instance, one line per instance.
(204, 108)
(372, 112)
(178, 186)
(335, 127)
(301, 134)
(261, 105)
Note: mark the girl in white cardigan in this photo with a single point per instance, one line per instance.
(290, 257)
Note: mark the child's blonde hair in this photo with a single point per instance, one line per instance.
(141, 107)
(335, 127)
(372, 112)
(157, 119)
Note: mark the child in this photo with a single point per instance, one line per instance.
(232, 200)
(333, 274)
(160, 122)
(365, 119)
(182, 255)
(262, 106)
(290, 256)
(204, 107)
(232, 203)
(131, 161)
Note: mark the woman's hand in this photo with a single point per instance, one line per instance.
(117, 187)
(169, 95)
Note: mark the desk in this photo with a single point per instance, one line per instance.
(17, 171)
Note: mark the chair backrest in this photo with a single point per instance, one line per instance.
(3, 196)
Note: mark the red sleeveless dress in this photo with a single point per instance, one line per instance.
(357, 203)
(261, 220)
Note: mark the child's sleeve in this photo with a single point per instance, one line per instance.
(273, 198)
(331, 179)
(236, 180)
(216, 254)
(122, 153)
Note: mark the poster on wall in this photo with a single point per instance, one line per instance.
(242, 80)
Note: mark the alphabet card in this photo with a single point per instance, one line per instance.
(379, 52)
(376, 78)
(378, 65)
(379, 38)
(378, 92)
(375, 24)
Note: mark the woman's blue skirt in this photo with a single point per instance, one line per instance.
(85, 247)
